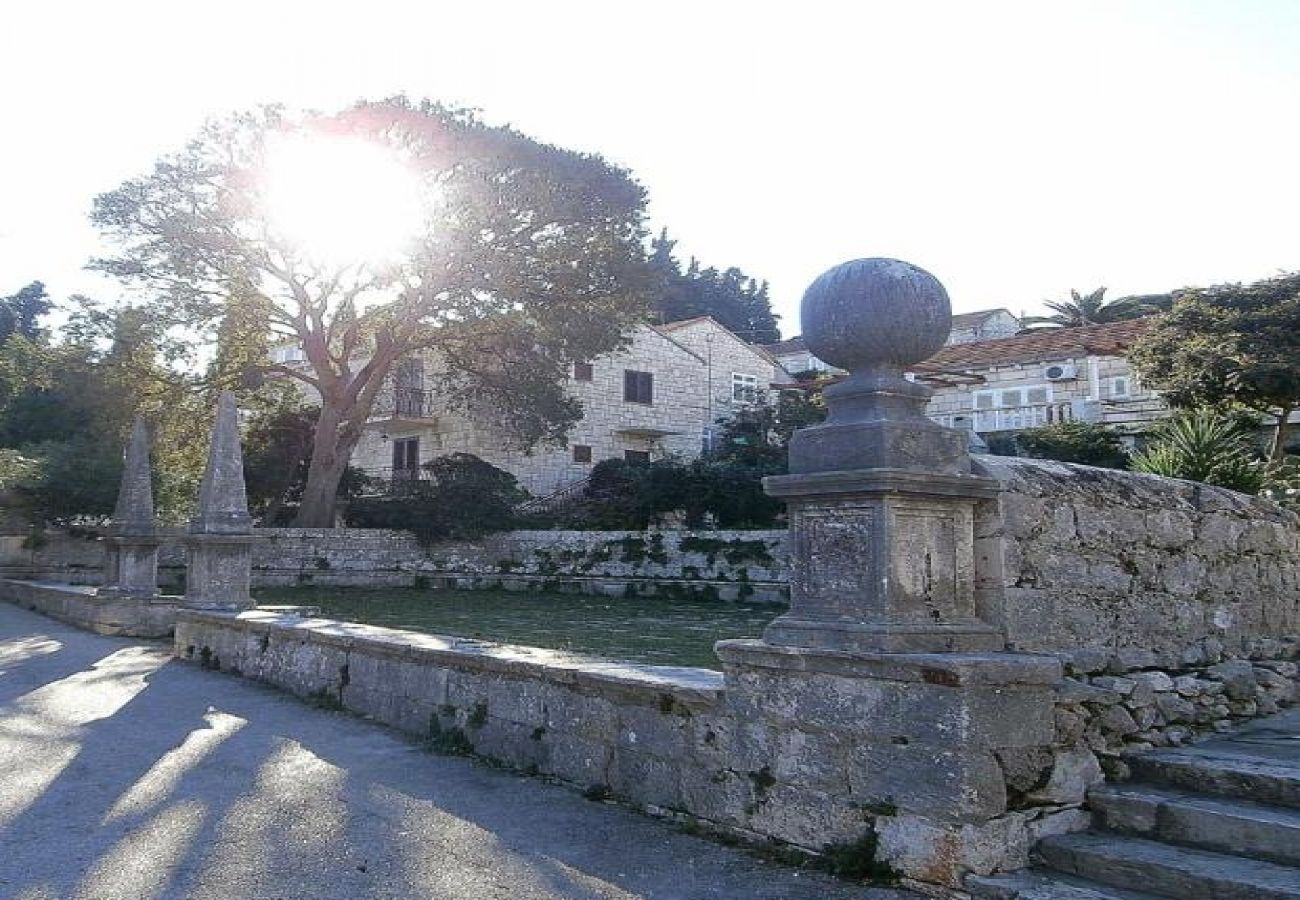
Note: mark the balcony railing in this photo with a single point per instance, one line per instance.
(406, 403)
(1011, 418)
(395, 481)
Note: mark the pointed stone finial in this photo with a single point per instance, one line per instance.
(133, 514)
(223, 499)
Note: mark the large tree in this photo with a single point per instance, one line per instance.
(736, 300)
(1229, 344)
(519, 259)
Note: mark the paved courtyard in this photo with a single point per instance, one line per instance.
(124, 774)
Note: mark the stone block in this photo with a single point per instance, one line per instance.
(946, 783)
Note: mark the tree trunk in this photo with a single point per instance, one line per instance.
(332, 447)
(1280, 435)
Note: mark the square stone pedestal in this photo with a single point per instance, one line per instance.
(219, 571)
(883, 560)
(131, 567)
(905, 745)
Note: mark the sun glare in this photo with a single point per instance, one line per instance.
(342, 201)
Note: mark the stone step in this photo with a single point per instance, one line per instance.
(1224, 825)
(1038, 884)
(1227, 775)
(1167, 870)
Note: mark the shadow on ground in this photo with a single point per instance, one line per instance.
(124, 774)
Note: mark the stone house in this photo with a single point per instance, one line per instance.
(1041, 377)
(661, 395)
(794, 356)
(982, 326)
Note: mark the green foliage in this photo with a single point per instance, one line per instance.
(464, 498)
(533, 257)
(1282, 483)
(20, 313)
(734, 299)
(857, 860)
(623, 495)
(1093, 309)
(1230, 343)
(67, 409)
(1206, 445)
(758, 435)
(1088, 443)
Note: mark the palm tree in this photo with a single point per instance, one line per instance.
(1092, 309)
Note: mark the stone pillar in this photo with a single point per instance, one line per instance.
(131, 546)
(220, 541)
(882, 655)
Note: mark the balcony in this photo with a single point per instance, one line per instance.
(400, 482)
(1011, 418)
(411, 406)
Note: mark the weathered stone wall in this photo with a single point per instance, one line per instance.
(76, 558)
(1137, 570)
(904, 762)
(83, 607)
(729, 565)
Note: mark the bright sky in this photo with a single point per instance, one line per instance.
(1014, 149)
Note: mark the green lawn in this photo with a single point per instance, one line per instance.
(659, 632)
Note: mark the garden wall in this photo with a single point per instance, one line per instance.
(776, 748)
(1143, 571)
(729, 565)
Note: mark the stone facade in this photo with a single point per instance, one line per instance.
(692, 365)
(1039, 378)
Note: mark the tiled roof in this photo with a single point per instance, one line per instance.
(1038, 344)
(793, 345)
(682, 323)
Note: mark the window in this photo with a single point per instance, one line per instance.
(409, 373)
(744, 388)
(581, 453)
(406, 457)
(1120, 386)
(638, 387)
(637, 456)
(582, 371)
(287, 354)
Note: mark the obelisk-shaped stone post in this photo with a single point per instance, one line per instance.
(220, 540)
(131, 546)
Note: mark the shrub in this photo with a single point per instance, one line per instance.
(1207, 445)
(1282, 483)
(1088, 443)
(633, 496)
(464, 498)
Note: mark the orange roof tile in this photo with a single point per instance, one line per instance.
(1110, 339)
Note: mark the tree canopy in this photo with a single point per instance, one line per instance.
(1094, 309)
(66, 407)
(525, 258)
(734, 299)
(1229, 344)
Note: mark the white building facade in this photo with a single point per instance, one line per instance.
(1039, 378)
(659, 396)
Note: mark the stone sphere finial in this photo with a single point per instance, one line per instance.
(875, 313)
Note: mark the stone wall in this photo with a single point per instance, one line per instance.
(1135, 570)
(898, 766)
(728, 565)
(82, 606)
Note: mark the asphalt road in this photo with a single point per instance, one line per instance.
(125, 774)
